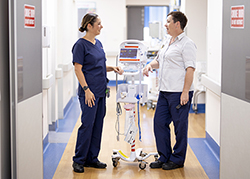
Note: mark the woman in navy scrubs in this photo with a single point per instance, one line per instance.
(91, 70)
(176, 62)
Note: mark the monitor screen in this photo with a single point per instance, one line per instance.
(128, 53)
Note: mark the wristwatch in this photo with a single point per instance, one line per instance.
(85, 88)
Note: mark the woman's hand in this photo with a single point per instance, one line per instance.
(184, 98)
(89, 98)
(147, 68)
(187, 84)
(118, 70)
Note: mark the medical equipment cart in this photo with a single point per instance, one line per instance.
(133, 57)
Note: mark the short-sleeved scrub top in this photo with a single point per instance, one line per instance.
(92, 58)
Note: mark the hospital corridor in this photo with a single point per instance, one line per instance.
(122, 89)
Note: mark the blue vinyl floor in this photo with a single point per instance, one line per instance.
(58, 140)
(205, 155)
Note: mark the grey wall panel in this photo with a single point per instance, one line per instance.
(29, 51)
(135, 22)
(235, 114)
(5, 168)
(26, 91)
(235, 49)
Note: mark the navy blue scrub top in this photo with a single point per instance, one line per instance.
(92, 58)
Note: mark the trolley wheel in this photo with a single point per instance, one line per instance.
(149, 104)
(153, 106)
(142, 165)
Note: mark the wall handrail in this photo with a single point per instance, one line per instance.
(66, 67)
(48, 82)
(211, 84)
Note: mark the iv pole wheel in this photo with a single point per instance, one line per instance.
(156, 157)
(143, 154)
(115, 162)
(142, 165)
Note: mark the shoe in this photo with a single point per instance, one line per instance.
(171, 165)
(97, 164)
(86, 165)
(156, 164)
(78, 167)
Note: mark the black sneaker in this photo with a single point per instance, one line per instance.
(156, 164)
(97, 164)
(171, 165)
(78, 167)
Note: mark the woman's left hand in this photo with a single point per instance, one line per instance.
(118, 70)
(184, 98)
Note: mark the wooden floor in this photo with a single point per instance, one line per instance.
(125, 170)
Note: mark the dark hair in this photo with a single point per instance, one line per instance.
(89, 18)
(179, 16)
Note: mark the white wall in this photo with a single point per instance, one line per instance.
(61, 18)
(214, 48)
(48, 21)
(196, 12)
(29, 159)
(67, 28)
(235, 148)
(214, 39)
(213, 110)
(67, 86)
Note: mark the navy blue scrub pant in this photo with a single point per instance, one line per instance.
(165, 113)
(90, 132)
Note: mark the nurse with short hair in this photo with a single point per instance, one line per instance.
(176, 64)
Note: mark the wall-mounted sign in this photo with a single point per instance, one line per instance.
(29, 16)
(237, 16)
